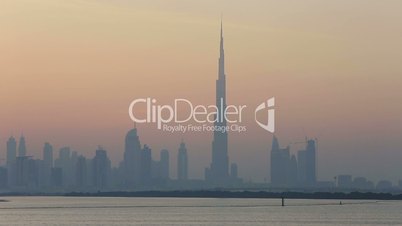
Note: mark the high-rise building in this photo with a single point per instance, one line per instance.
(11, 150)
(22, 149)
(64, 162)
(182, 162)
(146, 165)
(219, 168)
(131, 165)
(100, 169)
(307, 165)
(283, 166)
(47, 165)
(164, 164)
(280, 162)
(48, 155)
(81, 172)
(27, 172)
(292, 174)
(11, 160)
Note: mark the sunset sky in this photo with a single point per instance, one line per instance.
(70, 68)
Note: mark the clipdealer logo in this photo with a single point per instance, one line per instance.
(269, 106)
(187, 117)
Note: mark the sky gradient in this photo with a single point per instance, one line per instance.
(70, 68)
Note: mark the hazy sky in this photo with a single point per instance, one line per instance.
(70, 68)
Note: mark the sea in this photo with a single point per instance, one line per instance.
(195, 211)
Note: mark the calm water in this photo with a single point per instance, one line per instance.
(193, 211)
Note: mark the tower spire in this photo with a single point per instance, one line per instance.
(221, 54)
(221, 43)
(221, 27)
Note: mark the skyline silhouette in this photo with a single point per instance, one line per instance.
(334, 79)
(72, 171)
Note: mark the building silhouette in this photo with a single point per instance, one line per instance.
(47, 165)
(64, 163)
(11, 158)
(182, 163)
(293, 173)
(101, 167)
(81, 173)
(283, 166)
(164, 164)
(307, 165)
(131, 165)
(22, 149)
(27, 172)
(218, 172)
(146, 165)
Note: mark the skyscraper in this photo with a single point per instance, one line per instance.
(47, 164)
(131, 166)
(280, 158)
(11, 161)
(64, 162)
(22, 149)
(164, 164)
(48, 155)
(307, 164)
(11, 151)
(100, 169)
(146, 165)
(219, 169)
(81, 172)
(283, 166)
(182, 162)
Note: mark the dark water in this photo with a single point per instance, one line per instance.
(194, 211)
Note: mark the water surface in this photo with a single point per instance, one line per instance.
(195, 211)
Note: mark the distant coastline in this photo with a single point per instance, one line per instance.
(221, 194)
(242, 194)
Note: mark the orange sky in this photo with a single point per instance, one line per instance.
(70, 68)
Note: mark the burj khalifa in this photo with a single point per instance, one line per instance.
(218, 171)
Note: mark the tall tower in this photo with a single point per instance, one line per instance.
(22, 150)
(219, 170)
(132, 158)
(47, 164)
(182, 162)
(11, 160)
(48, 155)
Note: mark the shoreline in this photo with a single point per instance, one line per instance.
(243, 194)
(223, 194)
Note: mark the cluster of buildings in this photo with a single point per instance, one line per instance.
(73, 172)
(298, 172)
(348, 182)
(287, 171)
